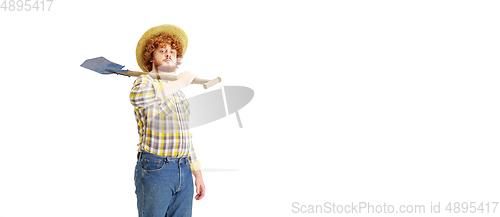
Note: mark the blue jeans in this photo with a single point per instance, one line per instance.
(164, 186)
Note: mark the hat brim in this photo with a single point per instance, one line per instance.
(167, 28)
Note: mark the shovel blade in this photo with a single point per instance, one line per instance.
(102, 65)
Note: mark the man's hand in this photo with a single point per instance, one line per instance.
(186, 77)
(200, 186)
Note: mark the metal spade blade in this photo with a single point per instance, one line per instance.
(102, 66)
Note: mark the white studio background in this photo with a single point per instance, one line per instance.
(355, 101)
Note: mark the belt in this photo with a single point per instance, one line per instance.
(167, 158)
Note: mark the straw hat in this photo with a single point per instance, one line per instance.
(167, 28)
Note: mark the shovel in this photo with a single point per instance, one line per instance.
(105, 67)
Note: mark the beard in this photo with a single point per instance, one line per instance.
(164, 66)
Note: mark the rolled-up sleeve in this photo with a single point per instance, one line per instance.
(143, 94)
(195, 163)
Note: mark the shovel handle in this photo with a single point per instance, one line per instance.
(206, 83)
(212, 82)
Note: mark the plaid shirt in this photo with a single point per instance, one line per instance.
(162, 123)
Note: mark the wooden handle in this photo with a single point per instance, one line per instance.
(212, 82)
(133, 73)
(206, 83)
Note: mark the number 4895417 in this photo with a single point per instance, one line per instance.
(26, 5)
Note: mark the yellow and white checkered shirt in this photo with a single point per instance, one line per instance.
(162, 123)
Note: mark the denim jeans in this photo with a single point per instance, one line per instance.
(164, 186)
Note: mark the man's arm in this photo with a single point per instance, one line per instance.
(183, 80)
(200, 186)
(195, 168)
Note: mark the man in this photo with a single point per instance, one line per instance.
(166, 158)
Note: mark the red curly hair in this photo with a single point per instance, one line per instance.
(161, 40)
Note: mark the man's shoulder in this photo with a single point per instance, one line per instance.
(143, 78)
